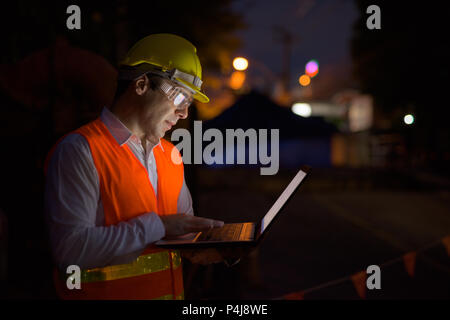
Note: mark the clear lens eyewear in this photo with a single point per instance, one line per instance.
(177, 95)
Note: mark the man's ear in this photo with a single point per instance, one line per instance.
(142, 85)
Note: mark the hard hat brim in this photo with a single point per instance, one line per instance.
(198, 95)
(201, 97)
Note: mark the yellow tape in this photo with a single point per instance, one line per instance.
(145, 264)
(170, 297)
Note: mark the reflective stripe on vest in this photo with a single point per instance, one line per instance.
(126, 192)
(144, 264)
(170, 297)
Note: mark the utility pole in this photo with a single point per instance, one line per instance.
(287, 38)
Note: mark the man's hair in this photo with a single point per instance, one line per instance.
(123, 85)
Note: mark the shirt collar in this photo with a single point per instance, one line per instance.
(118, 130)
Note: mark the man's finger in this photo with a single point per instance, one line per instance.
(217, 223)
(204, 223)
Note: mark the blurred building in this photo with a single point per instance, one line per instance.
(302, 140)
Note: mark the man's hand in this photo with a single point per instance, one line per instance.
(180, 224)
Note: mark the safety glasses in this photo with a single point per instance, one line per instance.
(179, 97)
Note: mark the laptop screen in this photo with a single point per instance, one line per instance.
(287, 193)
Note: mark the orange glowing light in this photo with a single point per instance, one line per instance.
(237, 80)
(304, 80)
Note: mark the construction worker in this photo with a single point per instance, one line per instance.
(113, 187)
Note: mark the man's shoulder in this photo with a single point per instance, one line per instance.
(73, 140)
(71, 145)
(78, 138)
(70, 149)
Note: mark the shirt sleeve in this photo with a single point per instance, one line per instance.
(72, 199)
(184, 204)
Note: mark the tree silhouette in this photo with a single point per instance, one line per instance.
(405, 66)
(109, 28)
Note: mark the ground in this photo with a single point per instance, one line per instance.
(340, 222)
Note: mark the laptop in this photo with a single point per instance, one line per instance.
(239, 234)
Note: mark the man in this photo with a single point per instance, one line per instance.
(114, 186)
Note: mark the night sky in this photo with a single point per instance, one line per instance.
(323, 30)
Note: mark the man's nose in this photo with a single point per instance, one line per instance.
(182, 113)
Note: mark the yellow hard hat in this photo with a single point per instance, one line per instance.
(170, 56)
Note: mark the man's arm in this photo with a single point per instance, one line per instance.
(184, 204)
(72, 197)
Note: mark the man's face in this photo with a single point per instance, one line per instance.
(160, 114)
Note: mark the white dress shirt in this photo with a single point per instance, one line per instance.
(74, 209)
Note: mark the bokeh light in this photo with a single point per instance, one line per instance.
(301, 109)
(408, 119)
(240, 63)
(237, 80)
(304, 80)
(312, 68)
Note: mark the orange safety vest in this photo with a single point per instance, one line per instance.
(126, 192)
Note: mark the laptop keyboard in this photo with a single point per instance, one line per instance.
(228, 232)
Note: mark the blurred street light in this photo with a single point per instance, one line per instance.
(302, 109)
(408, 119)
(240, 63)
(312, 68)
(304, 80)
(237, 80)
